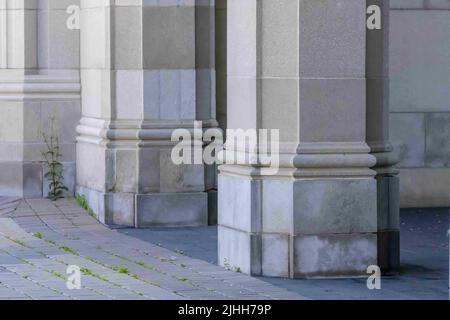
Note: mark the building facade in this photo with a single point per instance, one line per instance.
(120, 76)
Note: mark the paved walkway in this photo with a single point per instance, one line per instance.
(424, 257)
(39, 239)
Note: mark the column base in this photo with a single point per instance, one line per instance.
(298, 228)
(148, 210)
(297, 257)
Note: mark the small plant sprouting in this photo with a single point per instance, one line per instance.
(123, 270)
(52, 158)
(38, 235)
(82, 202)
(237, 270)
(226, 264)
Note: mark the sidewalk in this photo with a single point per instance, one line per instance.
(39, 239)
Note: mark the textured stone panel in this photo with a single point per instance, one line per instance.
(334, 255)
(437, 140)
(332, 41)
(332, 110)
(407, 131)
(169, 37)
(239, 201)
(335, 206)
(422, 188)
(172, 209)
(419, 60)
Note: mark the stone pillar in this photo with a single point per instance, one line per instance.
(377, 73)
(39, 79)
(299, 66)
(221, 62)
(147, 69)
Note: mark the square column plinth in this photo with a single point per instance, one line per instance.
(297, 228)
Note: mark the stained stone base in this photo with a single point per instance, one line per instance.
(148, 210)
(298, 228)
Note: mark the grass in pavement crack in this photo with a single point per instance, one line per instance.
(53, 272)
(150, 267)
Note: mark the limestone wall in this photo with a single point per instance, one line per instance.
(420, 99)
(39, 79)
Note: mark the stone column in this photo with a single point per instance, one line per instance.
(299, 66)
(39, 79)
(147, 69)
(377, 73)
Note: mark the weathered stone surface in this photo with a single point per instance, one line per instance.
(437, 153)
(407, 131)
(334, 206)
(426, 187)
(334, 254)
(239, 201)
(171, 209)
(419, 73)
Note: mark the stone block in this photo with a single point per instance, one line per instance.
(67, 116)
(96, 201)
(327, 108)
(129, 94)
(94, 37)
(172, 209)
(425, 188)
(149, 179)
(406, 4)
(237, 249)
(59, 46)
(92, 174)
(119, 207)
(332, 41)
(21, 179)
(126, 174)
(277, 206)
(329, 255)
(420, 4)
(128, 37)
(419, 60)
(239, 203)
(275, 253)
(280, 106)
(241, 103)
(407, 130)
(173, 30)
(437, 153)
(11, 179)
(242, 39)
(335, 206)
(280, 38)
